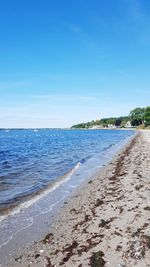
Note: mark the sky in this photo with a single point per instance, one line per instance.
(71, 61)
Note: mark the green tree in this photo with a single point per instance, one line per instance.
(98, 122)
(147, 116)
(137, 116)
(107, 121)
(88, 124)
(92, 123)
(118, 122)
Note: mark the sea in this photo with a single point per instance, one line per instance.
(39, 168)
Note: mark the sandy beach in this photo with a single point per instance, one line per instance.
(107, 221)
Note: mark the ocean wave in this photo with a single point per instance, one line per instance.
(31, 201)
(83, 160)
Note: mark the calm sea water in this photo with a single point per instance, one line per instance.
(31, 161)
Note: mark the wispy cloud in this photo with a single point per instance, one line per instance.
(139, 20)
(64, 97)
(86, 97)
(83, 36)
(33, 75)
(142, 91)
(12, 84)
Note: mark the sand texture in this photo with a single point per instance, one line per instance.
(107, 221)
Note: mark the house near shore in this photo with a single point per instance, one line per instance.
(128, 124)
(111, 126)
(96, 127)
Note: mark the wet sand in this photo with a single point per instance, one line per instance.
(107, 221)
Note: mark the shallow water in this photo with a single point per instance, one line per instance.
(32, 161)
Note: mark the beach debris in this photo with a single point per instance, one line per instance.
(147, 208)
(90, 243)
(49, 264)
(121, 209)
(140, 230)
(37, 256)
(86, 219)
(137, 187)
(103, 222)
(118, 248)
(117, 233)
(137, 233)
(147, 240)
(75, 211)
(48, 238)
(135, 252)
(18, 259)
(138, 248)
(97, 259)
(69, 249)
(99, 202)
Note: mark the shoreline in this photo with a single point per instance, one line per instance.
(19, 202)
(90, 218)
(31, 220)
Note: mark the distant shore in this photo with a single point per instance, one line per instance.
(106, 222)
(105, 128)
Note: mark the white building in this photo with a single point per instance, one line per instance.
(128, 124)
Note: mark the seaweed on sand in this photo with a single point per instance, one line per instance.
(69, 250)
(48, 238)
(18, 259)
(49, 264)
(147, 208)
(99, 202)
(86, 219)
(147, 241)
(103, 222)
(138, 248)
(97, 259)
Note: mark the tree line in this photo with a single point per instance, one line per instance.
(138, 116)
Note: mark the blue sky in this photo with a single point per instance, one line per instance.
(64, 62)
